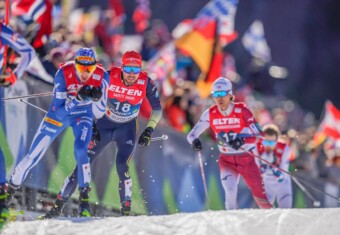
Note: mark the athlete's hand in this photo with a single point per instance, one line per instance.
(95, 138)
(197, 145)
(84, 93)
(8, 79)
(96, 93)
(236, 143)
(145, 137)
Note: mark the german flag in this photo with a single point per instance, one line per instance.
(199, 43)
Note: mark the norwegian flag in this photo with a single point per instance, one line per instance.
(35, 11)
(224, 11)
(330, 125)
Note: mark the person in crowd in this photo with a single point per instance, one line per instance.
(79, 96)
(236, 130)
(129, 86)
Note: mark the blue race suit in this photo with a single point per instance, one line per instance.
(120, 125)
(12, 39)
(64, 111)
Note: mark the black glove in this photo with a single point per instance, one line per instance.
(96, 93)
(95, 133)
(95, 138)
(84, 93)
(236, 143)
(145, 137)
(197, 145)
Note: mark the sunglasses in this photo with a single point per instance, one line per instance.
(129, 69)
(269, 143)
(217, 94)
(85, 68)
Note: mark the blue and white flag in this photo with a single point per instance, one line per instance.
(255, 43)
(224, 12)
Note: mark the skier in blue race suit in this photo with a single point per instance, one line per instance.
(128, 87)
(12, 39)
(80, 93)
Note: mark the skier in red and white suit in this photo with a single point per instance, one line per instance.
(278, 184)
(233, 124)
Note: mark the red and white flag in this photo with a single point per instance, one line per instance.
(330, 125)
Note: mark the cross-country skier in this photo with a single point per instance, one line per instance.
(129, 86)
(278, 185)
(230, 121)
(14, 40)
(79, 95)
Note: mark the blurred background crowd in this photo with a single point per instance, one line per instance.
(280, 55)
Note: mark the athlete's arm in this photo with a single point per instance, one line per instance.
(153, 98)
(200, 127)
(20, 45)
(61, 105)
(285, 158)
(98, 107)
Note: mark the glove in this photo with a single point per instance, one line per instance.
(236, 143)
(8, 80)
(84, 93)
(263, 168)
(279, 175)
(145, 137)
(96, 93)
(95, 138)
(197, 145)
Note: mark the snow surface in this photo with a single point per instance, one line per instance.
(246, 221)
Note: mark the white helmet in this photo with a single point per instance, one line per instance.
(222, 84)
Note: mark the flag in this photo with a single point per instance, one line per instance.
(224, 12)
(163, 63)
(199, 43)
(37, 12)
(255, 43)
(161, 67)
(330, 125)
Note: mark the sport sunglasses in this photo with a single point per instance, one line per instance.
(85, 68)
(270, 143)
(129, 69)
(217, 94)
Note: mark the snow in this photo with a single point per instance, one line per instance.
(246, 221)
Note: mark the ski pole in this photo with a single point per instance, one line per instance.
(163, 137)
(292, 175)
(316, 203)
(29, 96)
(199, 154)
(26, 102)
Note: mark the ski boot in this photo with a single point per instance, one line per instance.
(56, 210)
(4, 213)
(125, 206)
(84, 207)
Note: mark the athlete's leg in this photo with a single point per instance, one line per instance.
(125, 137)
(70, 183)
(2, 168)
(252, 176)
(284, 193)
(82, 129)
(48, 130)
(229, 179)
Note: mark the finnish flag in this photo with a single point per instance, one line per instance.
(255, 43)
